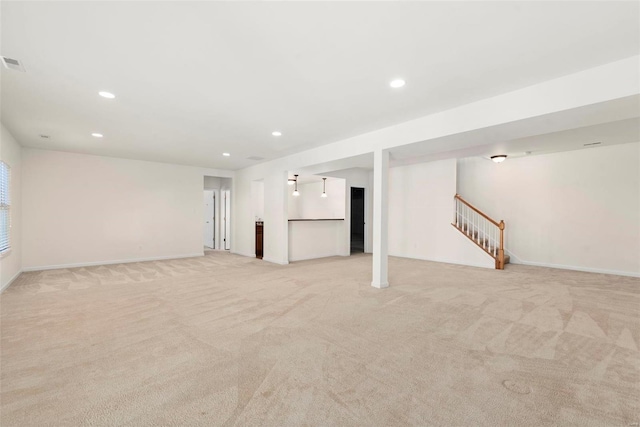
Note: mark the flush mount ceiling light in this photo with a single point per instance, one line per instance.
(324, 187)
(499, 158)
(397, 83)
(106, 94)
(226, 154)
(97, 135)
(295, 189)
(276, 133)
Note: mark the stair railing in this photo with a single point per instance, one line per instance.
(484, 231)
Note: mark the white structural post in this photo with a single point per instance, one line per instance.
(380, 219)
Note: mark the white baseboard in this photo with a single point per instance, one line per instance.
(273, 261)
(121, 261)
(244, 254)
(489, 265)
(318, 257)
(516, 260)
(6, 285)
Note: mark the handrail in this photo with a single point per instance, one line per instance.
(485, 216)
(477, 232)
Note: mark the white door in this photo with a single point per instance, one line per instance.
(226, 194)
(209, 219)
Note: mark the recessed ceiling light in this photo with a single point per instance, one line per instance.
(97, 135)
(106, 94)
(226, 154)
(499, 158)
(397, 83)
(276, 133)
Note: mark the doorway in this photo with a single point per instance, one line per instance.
(357, 220)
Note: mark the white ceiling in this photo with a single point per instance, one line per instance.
(312, 179)
(612, 122)
(195, 79)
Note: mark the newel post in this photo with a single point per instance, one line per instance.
(501, 250)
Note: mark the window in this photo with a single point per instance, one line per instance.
(5, 208)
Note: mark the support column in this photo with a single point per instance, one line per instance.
(276, 226)
(380, 219)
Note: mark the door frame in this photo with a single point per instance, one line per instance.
(225, 235)
(364, 217)
(206, 243)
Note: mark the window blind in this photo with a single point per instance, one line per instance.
(5, 207)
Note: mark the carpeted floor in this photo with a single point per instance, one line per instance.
(228, 340)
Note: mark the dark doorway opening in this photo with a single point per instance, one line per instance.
(357, 220)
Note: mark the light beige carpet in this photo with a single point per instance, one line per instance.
(227, 340)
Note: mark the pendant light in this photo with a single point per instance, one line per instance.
(324, 187)
(295, 189)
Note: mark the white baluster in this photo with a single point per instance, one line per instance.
(473, 223)
(455, 211)
(475, 232)
(466, 219)
(475, 220)
(484, 234)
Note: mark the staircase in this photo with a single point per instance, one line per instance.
(485, 232)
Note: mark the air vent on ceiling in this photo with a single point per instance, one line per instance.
(591, 144)
(255, 158)
(12, 64)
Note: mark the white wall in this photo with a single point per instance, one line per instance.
(315, 239)
(360, 178)
(11, 262)
(226, 183)
(276, 227)
(577, 209)
(309, 204)
(81, 209)
(531, 105)
(212, 183)
(257, 194)
(421, 212)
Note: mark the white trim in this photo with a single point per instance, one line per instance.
(380, 285)
(516, 260)
(274, 261)
(5, 286)
(122, 261)
(243, 254)
(448, 261)
(318, 257)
